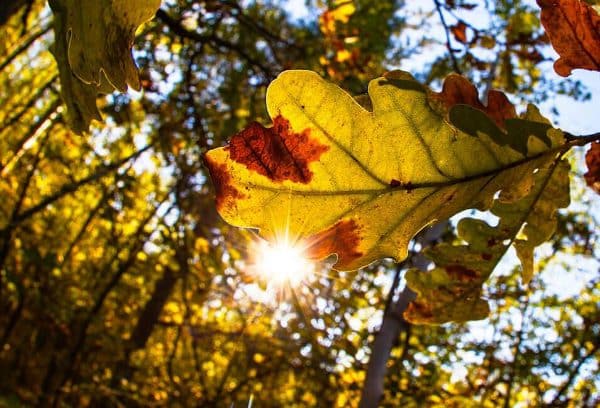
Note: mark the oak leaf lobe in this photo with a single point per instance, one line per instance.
(574, 31)
(93, 42)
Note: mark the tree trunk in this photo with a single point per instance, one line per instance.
(393, 325)
(145, 325)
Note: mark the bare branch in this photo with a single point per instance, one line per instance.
(455, 66)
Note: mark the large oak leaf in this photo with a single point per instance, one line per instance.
(342, 179)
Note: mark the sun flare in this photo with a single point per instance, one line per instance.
(281, 263)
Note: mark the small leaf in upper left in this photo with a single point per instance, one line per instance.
(93, 41)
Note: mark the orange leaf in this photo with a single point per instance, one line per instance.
(460, 32)
(592, 160)
(574, 30)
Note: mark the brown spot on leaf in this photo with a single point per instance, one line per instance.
(418, 312)
(226, 193)
(486, 257)
(491, 242)
(276, 152)
(592, 160)
(408, 186)
(461, 274)
(574, 30)
(458, 90)
(342, 239)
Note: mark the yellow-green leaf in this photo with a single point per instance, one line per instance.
(452, 291)
(93, 41)
(342, 179)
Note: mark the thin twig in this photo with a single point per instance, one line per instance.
(22, 47)
(455, 66)
(216, 42)
(582, 140)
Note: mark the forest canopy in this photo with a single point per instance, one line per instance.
(299, 203)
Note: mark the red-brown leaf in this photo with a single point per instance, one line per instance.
(574, 30)
(459, 31)
(592, 160)
(342, 239)
(458, 90)
(226, 193)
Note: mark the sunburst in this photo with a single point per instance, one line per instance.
(281, 263)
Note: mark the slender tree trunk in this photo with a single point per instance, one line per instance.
(145, 324)
(152, 310)
(393, 325)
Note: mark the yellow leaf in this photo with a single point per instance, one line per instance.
(453, 290)
(202, 246)
(258, 358)
(93, 50)
(343, 10)
(361, 184)
(343, 55)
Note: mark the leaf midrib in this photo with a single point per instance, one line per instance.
(415, 186)
(405, 186)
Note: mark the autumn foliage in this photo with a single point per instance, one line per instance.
(592, 160)
(162, 164)
(574, 30)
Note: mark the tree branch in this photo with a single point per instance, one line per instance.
(572, 375)
(582, 140)
(393, 325)
(213, 40)
(82, 230)
(123, 266)
(70, 188)
(516, 351)
(455, 66)
(35, 98)
(33, 129)
(21, 48)
(10, 8)
(7, 233)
